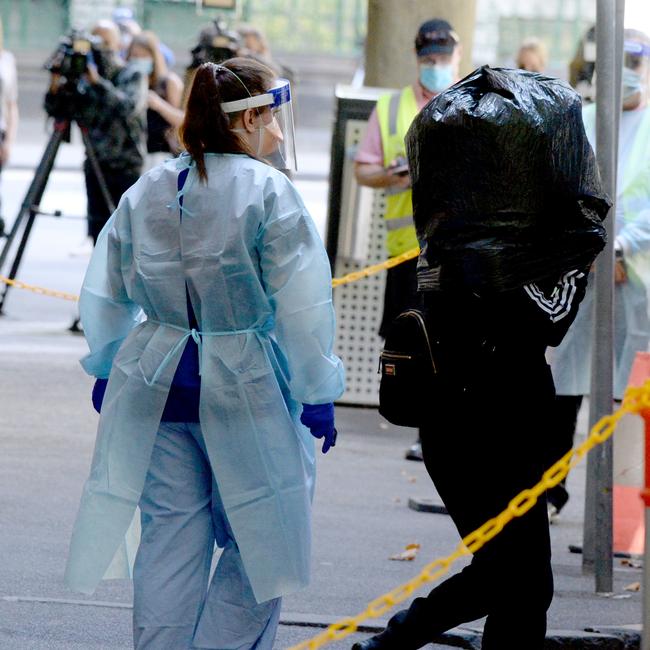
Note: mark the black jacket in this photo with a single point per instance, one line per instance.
(517, 323)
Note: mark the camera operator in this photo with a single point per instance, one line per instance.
(110, 101)
(216, 43)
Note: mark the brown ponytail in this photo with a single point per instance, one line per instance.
(206, 128)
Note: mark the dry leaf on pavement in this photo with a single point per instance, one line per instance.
(408, 554)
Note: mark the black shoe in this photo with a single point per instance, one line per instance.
(76, 328)
(393, 638)
(414, 452)
(557, 497)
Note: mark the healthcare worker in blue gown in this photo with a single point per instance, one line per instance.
(207, 305)
(571, 361)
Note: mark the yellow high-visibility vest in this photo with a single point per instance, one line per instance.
(395, 112)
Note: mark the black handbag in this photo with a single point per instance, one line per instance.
(409, 373)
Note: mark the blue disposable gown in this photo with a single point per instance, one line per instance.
(259, 283)
(571, 361)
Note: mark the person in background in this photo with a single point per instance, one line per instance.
(207, 307)
(129, 28)
(532, 55)
(8, 106)
(216, 43)
(582, 67)
(256, 46)
(111, 106)
(254, 41)
(164, 114)
(380, 161)
(112, 109)
(571, 361)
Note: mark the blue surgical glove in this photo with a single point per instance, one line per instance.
(98, 393)
(319, 419)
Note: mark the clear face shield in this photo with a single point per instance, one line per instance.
(276, 114)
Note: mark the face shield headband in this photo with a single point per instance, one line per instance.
(636, 54)
(278, 99)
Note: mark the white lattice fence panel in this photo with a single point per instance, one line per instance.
(359, 305)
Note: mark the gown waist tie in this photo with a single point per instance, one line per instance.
(196, 336)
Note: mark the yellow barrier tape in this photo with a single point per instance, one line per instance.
(635, 401)
(336, 282)
(40, 290)
(376, 268)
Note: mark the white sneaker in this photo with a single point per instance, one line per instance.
(553, 514)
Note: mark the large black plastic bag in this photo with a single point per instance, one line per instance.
(505, 185)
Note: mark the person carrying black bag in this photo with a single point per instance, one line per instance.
(502, 270)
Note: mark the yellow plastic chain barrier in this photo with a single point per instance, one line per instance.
(336, 282)
(376, 268)
(635, 401)
(41, 290)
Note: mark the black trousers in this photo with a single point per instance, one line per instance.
(485, 444)
(117, 183)
(562, 428)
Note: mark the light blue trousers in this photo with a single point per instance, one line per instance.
(175, 604)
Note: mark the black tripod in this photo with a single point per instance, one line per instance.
(30, 207)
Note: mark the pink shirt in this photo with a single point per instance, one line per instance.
(370, 150)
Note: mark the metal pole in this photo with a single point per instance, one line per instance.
(597, 542)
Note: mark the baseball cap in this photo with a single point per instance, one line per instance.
(435, 36)
(122, 14)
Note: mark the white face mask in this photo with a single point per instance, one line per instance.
(272, 128)
(260, 138)
(144, 66)
(632, 83)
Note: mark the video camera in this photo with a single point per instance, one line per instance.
(70, 59)
(216, 44)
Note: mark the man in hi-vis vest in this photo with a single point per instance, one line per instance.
(380, 161)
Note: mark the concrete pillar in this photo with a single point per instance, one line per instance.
(392, 26)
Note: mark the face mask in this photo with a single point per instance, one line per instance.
(260, 138)
(436, 78)
(632, 83)
(143, 66)
(272, 127)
